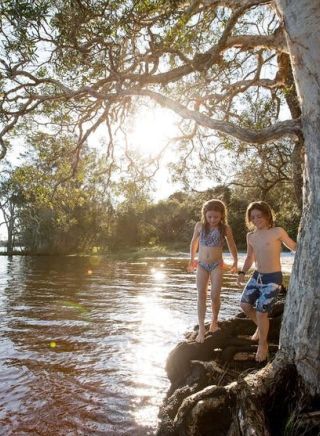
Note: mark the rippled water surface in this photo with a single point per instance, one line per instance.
(84, 340)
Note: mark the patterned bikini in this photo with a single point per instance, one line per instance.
(211, 239)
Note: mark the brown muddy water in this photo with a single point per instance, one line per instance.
(84, 341)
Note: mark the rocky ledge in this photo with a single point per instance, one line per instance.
(195, 370)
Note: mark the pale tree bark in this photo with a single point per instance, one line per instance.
(300, 338)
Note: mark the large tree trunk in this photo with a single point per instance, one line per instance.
(294, 106)
(300, 338)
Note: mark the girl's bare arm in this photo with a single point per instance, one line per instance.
(195, 242)
(248, 261)
(232, 248)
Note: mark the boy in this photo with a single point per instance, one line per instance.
(263, 248)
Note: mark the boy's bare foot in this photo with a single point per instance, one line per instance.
(213, 327)
(255, 336)
(262, 352)
(200, 336)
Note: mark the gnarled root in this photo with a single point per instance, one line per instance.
(222, 345)
(213, 400)
(257, 404)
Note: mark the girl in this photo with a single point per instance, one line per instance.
(209, 236)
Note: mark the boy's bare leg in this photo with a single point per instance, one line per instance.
(255, 336)
(202, 286)
(216, 283)
(263, 327)
(251, 313)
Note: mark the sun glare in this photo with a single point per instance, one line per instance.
(150, 353)
(146, 134)
(151, 131)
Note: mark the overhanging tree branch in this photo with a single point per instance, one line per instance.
(278, 130)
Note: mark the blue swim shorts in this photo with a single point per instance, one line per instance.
(262, 290)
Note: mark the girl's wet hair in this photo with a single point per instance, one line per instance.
(264, 208)
(216, 206)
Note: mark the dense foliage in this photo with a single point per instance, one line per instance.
(47, 212)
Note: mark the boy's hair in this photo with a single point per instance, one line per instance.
(264, 208)
(216, 206)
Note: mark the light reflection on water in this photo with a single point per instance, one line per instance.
(84, 340)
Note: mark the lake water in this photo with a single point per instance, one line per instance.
(84, 341)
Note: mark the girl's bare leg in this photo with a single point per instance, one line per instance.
(202, 286)
(216, 283)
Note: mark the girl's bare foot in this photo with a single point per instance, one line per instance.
(262, 352)
(255, 336)
(200, 336)
(214, 327)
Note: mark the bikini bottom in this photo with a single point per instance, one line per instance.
(209, 267)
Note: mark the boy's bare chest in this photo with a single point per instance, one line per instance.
(265, 242)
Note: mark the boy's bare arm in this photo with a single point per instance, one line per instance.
(286, 240)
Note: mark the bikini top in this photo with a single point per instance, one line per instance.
(212, 238)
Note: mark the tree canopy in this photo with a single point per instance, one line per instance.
(76, 65)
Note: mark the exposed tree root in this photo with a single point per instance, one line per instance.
(222, 346)
(217, 388)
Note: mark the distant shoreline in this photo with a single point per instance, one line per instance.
(140, 252)
(122, 253)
